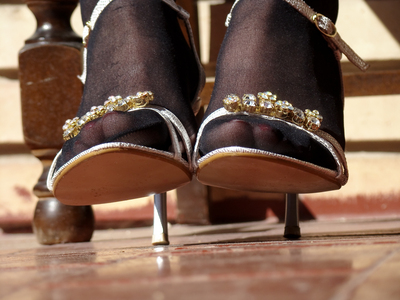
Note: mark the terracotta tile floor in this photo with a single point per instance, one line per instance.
(333, 260)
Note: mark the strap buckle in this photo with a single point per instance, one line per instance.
(324, 25)
(86, 33)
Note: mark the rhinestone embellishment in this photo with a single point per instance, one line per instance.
(313, 119)
(267, 104)
(72, 127)
(249, 103)
(232, 103)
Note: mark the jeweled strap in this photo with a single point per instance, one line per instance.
(72, 127)
(268, 104)
(325, 26)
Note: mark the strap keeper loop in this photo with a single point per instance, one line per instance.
(324, 25)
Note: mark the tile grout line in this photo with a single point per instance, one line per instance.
(346, 290)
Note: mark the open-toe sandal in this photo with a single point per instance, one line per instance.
(114, 171)
(245, 168)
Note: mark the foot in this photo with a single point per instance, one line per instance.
(135, 46)
(270, 46)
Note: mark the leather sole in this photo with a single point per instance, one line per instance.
(264, 173)
(115, 174)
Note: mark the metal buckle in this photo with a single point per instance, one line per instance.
(319, 20)
(87, 30)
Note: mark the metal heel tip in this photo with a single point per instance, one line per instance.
(160, 239)
(292, 232)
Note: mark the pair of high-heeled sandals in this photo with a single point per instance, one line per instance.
(118, 171)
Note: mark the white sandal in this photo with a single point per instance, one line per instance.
(118, 171)
(256, 170)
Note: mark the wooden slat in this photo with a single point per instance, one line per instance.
(12, 2)
(382, 78)
(9, 73)
(373, 146)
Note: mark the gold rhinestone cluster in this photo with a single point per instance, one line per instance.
(266, 103)
(72, 127)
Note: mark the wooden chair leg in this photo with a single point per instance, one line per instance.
(56, 223)
(50, 93)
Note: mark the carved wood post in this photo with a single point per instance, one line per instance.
(50, 93)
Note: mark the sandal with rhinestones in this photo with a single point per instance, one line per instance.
(259, 141)
(115, 169)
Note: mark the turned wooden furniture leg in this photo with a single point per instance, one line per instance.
(50, 93)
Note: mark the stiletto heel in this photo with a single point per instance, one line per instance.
(160, 222)
(292, 228)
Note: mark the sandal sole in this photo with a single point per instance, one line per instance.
(117, 174)
(260, 173)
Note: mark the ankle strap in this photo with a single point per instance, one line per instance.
(326, 27)
(89, 26)
(98, 9)
(183, 14)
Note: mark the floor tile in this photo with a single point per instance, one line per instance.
(209, 262)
